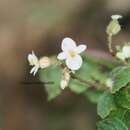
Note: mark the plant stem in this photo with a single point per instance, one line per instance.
(93, 85)
(110, 43)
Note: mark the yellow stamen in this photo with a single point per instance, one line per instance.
(72, 53)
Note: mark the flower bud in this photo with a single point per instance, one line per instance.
(109, 83)
(63, 84)
(114, 27)
(65, 78)
(44, 62)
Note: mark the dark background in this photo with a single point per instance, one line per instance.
(40, 25)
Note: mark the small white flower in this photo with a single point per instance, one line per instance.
(32, 58)
(44, 62)
(116, 17)
(33, 61)
(124, 53)
(71, 53)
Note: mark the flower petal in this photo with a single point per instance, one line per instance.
(81, 48)
(34, 70)
(74, 63)
(32, 58)
(120, 55)
(62, 56)
(126, 51)
(68, 44)
(116, 16)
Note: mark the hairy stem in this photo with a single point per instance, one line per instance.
(93, 85)
(110, 43)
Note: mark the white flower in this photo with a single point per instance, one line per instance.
(116, 17)
(32, 58)
(36, 63)
(33, 61)
(71, 53)
(124, 53)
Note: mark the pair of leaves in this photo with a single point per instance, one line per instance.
(89, 71)
(53, 74)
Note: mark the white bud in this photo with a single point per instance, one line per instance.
(109, 83)
(65, 78)
(33, 61)
(63, 84)
(44, 62)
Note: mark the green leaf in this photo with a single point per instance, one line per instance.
(111, 124)
(122, 98)
(120, 77)
(108, 64)
(77, 86)
(52, 74)
(127, 119)
(105, 104)
(93, 95)
(119, 113)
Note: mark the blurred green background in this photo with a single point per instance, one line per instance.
(40, 25)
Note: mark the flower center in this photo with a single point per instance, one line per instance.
(72, 54)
